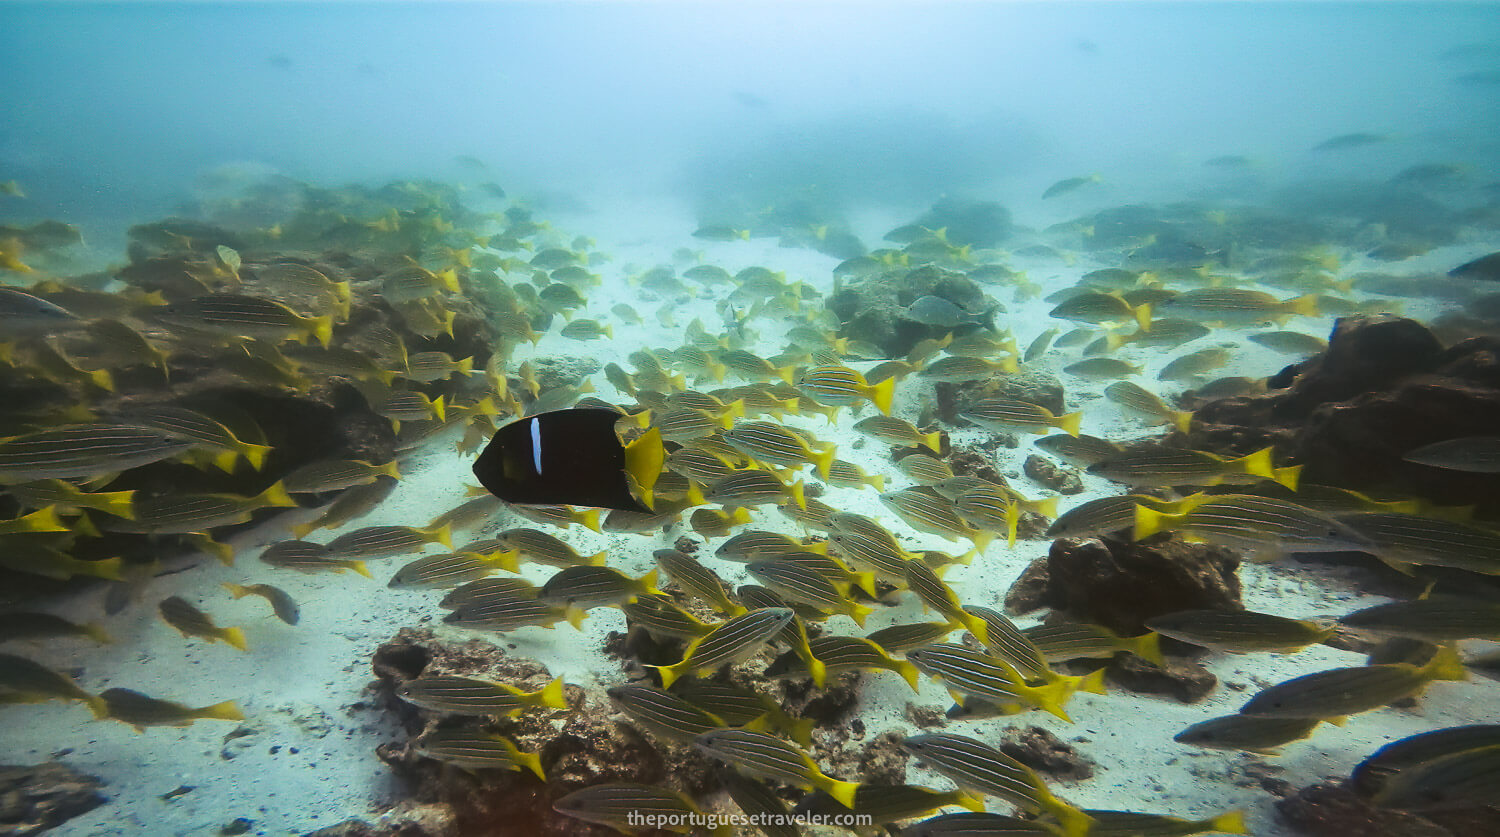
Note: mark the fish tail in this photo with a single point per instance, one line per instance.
(1183, 420)
(1070, 423)
(1012, 522)
(226, 461)
(908, 673)
(818, 669)
(97, 706)
(1148, 521)
(597, 559)
(882, 394)
(226, 711)
(254, 454)
(44, 520)
(530, 761)
(1288, 476)
(863, 580)
(1143, 316)
(841, 791)
(1257, 464)
(276, 496)
(108, 568)
(1229, 822)
(1074, 822)
(359, 567)
(1147, 646)
(552, 695)
(1093, 683)
(980, 538)
(508, 560)
(1445, 665)
(443, 535)
(1306, 306)
(439, 409)
(390, 469)
(589, 520)
(875, 481)
(934, 440)
(799, 496)
(669, 674)
(575, 616)
(648, 583)
(969, 802)
(239, 591)
(858, 612)
(97, 634)
(1052, 698)
(235, 637)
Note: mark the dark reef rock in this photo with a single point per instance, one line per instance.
(975, 223)
(1182, 680)
(1121, 585)
(1049, 474)
(1029, 591)
(564, 370)
(871, 309)
(39, 797)
(1329, 809)
(1384, 386)
(1045, 753)
(579, 747)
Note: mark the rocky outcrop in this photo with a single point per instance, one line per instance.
(1121, 585)
(40, 797)
(1384, 386)
(871, 309)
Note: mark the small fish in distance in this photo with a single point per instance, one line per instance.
(571, 457)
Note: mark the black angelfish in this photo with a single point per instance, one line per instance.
(571, 457)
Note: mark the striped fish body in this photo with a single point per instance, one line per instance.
(759, 754)
(83, 450)
(728, 643)
(927, 511)
(663, 713)
(697, 579)
(476, 750)
(475, 696)
(978, 767)
(622, 806)
(1424, 540)
(662, 617)
(436, 572)
(380, 541)
(509, 614)
(772, 444)
(799, 583)
(990, 679)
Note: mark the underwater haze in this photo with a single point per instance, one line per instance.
(528, 419)
(130, 104)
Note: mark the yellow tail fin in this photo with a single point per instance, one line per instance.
(1148, 521)
(1257, 464)
(882, 394)
(226, 711)
(1070, 423)
(235, 637)
(552, 695)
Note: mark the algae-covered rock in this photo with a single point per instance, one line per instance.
(872, 310)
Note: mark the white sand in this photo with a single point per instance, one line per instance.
(297, 684)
